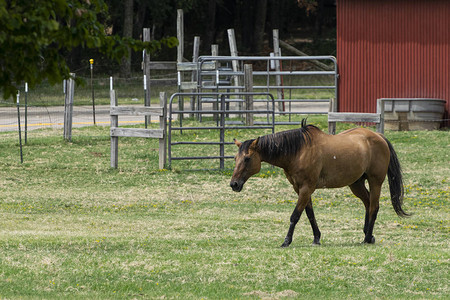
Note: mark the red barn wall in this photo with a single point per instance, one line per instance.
(392, 49)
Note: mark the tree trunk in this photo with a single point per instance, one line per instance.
(243, 24)
(274, 19)
(127, 32)
(140, 17)
(260, 21)
(247, 16)
(211, 28)
(320, 17)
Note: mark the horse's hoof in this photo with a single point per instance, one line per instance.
(316, 243)
(285, 245)
(371, 241)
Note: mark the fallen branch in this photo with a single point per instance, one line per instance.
(298, 52)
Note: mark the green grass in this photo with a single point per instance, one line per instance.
(72, 227)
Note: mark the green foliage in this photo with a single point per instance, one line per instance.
(309, 5)
(35, 34)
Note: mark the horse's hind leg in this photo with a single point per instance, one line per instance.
(375, 190)
(359, 190)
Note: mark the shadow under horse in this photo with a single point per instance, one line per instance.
(312, 159)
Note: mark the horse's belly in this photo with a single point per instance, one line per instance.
(326, 183)
(339, 174)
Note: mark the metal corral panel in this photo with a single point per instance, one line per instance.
(392, 49)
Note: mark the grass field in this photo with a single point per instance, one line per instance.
(72, 227)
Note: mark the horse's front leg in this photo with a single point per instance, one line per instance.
(294, 220)
(312, 221)
(303, 199)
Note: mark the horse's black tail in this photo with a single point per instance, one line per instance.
(395, 179)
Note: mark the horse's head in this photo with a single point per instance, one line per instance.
(248, 163)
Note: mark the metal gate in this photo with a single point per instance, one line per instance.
(288, 83)
(223, 123)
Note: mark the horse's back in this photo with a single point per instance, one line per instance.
(362, 135)
(351, 154)
(368, 141)
(377, 147)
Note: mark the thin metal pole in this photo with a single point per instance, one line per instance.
(145, 99)
(91, 61)
(269, 62)
(26, 111)
(217, 98)
(146, 72)
(290, 90)
(222, 132)
(180, 101)
(18, 122)
(169, 135)
(336, 93)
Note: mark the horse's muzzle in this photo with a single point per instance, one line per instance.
(236, 185)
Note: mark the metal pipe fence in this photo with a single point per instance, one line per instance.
(293, 87)
(222, 125)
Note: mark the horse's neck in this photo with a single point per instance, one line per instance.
(285, 161)
(276, 163)
(281, 162)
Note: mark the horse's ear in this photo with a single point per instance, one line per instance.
(237, 143)
(254, 144)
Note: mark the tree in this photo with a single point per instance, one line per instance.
(211, 29)
(258, 26)
(250, 20)
(35, 34)
(128, 33)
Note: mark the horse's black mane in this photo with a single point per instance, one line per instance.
(284, 143)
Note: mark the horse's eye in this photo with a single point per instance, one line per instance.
(246, 159)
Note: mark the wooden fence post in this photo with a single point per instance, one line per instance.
(68, 108)
(234, 63)
(180, 35)
(233, 52)
(163, 126)
(114, 123)
(180, 56)
(277, 53)
(331, 125)
(116, 132)
(380, 111)
(215, 52)
(194, 74)
(248, 83)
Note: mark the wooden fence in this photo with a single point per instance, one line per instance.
(377, 118)
(116, 131)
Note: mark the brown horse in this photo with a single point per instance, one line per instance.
(312, 160)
